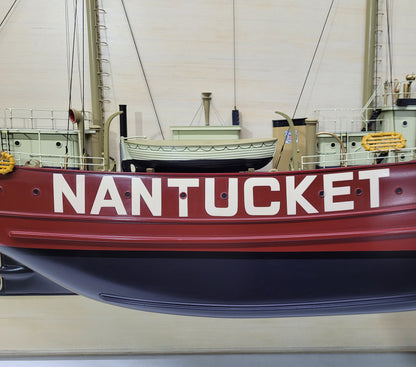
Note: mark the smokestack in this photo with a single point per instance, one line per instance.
(206, 99)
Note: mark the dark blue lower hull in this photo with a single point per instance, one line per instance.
(234, 284)
(18, 280)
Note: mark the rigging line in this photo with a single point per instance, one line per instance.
(376, 56)
(389, 48)
(234, 57)
(313, 58)
(71, 74)
(78, 62)
(142, 68)
(219, 118)
(79, 57)
(304, 83)
(67, 39)
(196, 113)
(83, 72)
(8, 12)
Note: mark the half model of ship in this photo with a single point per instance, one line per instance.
(332, 232)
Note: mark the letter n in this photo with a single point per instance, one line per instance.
(61, 189)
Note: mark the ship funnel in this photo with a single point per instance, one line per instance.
(206, 100)
(75, 116)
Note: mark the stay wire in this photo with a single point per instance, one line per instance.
(83, 71)
(389, 48)
(67, 40)
(313, 58)
(8, 13)
(305, 81)
(71, 73)
(142, 68)
(376, 56)
(196, 113)
(234, 58)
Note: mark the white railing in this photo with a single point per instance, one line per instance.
(40, 134)
(25, 118)
(58, 161)
(356, 158)
(386, 95)
(340, 120)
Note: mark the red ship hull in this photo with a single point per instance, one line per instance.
(245, 245)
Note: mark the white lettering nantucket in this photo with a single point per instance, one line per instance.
(243, 194)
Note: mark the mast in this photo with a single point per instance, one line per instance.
(370, 35)
(97, 140)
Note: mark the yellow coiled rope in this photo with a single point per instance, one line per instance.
(383, 141)
(6, 163)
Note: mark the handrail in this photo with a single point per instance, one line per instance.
(58, 160)
(28, 118)
(356, 158)
(336, 137)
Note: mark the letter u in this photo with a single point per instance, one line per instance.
(232, 195)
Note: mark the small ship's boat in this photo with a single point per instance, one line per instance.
(198, 149)
(332, 233)
(198, 156)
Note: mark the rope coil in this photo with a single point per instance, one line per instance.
(6, 163)
(383, 141)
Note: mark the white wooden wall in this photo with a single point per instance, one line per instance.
(187, 48)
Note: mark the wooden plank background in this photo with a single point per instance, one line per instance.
(74, 325)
